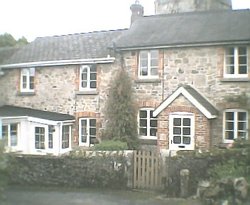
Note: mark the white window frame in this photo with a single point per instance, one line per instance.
(236, 63)
(28, 73)
(148, 127)
(88, 87)
(149, 66)
(235, 124)
(40, 135)
(88, 135)
(9, 144)
(70, 135)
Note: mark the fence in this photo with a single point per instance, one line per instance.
(147, 170)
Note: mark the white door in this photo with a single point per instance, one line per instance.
(181, 131)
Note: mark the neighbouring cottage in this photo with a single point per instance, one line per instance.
(189, 64)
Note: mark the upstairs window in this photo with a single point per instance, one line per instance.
(236, 62)
(27, 80)
(235, 124)
(147, 124)
(148, 64)
(88, 77)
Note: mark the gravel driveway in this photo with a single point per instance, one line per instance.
(52, 196)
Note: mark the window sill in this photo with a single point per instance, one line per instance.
(87, 92)
(235, 80)
(148, 81)
(26, 93)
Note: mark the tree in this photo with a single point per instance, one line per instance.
(121, 111)
(7, 40)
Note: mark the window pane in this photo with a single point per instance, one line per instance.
(143, 54)
(93, 84)
(92, 122)
(177, 121)
(242, 135)
(84, 84)
(229, 135)
(154, 71)
(186, 140)
(144, 63)
(242, 60)
(229, 116)
(39, 137)
(242, 126)
(143, 131)
(92, 131)
(153, 123)
(24, 82)
(153, 132)
(143, 114)
(93, 140)
(143, 123)
(229, 126)
(242, 116)
(186, 131)
(154, 62)
(93, 68)
(243, 70)
(93, 76)
(242, 50)
(177, 130)
(230, 69)
(13, 134)
(5, 131)
(177, 139)
(83, 138)
(154, 54)
(144, 71)
(32, 83)
(186, 122)
(230, 51)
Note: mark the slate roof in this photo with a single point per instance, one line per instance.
(185, 29)
(13, 111)
(67, 47)
(7, 52)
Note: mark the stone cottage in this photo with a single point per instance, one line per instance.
(190, 67)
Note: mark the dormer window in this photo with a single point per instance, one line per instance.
(88, 77)
(236, 62)
(148, 64)
(27, 80)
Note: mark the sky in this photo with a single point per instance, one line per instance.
(38, 18)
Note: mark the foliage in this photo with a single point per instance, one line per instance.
(7, 40)
(3, 168)
(111, 145)
(121, 111)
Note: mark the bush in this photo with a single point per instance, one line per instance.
(111, 145)
(3, 168)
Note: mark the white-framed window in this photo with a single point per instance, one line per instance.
(236, 64)
(147, 124)
(235, 124)
(88, 77)
(27, 80)
(39, 137)
(66, 136)
(10, 134)
(87, 131)
(50, 136)
(148, 64)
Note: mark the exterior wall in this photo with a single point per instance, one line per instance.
(200, 67)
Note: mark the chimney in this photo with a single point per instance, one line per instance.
(137, 11)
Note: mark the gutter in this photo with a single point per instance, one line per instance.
(183, 45)
(108, 59)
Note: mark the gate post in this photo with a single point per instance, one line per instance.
(184, 181)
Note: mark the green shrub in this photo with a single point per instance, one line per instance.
(111, 145)
(3, 168)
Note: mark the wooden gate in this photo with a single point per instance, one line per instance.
(147, 170)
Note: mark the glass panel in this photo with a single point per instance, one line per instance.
(143, 131)
(84, 76)
(92, 122)
(229, 116)
(242, 135)
(186, 140)
(177, 121)
(144, 63)
(229, 126)
(92, 131)
(242, 116)
(143, 123)
(230, 69)
(144, 71)
(92, 140)
(84, 84)
(93, 76)
(143, 114)
(186, 131)
(230, 51)
(154, 62)
(153, 123)
(177, 130)
(83, 138)
(93, 68)
(153, 132)
(242, 60)
(85, 69)
(93, 84)
(25, 82)
(144, 54)
(154, 71)
(177, 139)
(32, 83)
(154, 54)
(243, 70)
(186, 121)
(229, 135)
(242, 50)
(5, 131)
(13, 134)
(242, 126)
